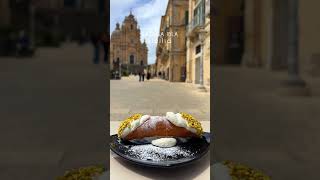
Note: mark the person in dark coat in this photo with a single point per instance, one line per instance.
(95, 40)
(148, 75)
(23, 43)
(140, 76)
(143, 76)
(105, 44)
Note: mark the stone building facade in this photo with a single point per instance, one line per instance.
(152, 69)
(171, 47)
(261, 31)
(198, 42)
(126, 49)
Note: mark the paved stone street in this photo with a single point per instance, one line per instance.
(256, 126)
(156, 97)
(52, 110)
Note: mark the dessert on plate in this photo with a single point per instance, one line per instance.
(161, 131)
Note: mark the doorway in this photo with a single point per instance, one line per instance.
(197, 71)
(235, 40)
(131, 59)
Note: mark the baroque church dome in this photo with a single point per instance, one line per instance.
(116, 32)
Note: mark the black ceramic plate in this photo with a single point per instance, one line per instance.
(198, 147)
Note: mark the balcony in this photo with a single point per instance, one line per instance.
(196, 23)
(198, 20)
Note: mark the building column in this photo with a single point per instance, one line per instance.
(252, 34)
(294, 85)
(293, 65)
(202, 35)
(248, 56)
(269, 15)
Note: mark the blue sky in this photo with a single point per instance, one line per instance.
(147, 12)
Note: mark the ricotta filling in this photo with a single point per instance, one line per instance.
(179, 121)
(164, 142)
(134, 125)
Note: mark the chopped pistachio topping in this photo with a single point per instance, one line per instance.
(125, 123)
(238, 171)
(192, 122)
(88, 173)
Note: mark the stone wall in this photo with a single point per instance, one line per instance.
(309, 39)
(171, 53)
(193, 59)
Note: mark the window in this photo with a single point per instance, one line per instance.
(141, 63)
(131, 59)
(186, 16)
(198, 49)
(198, 13)
(131, 26)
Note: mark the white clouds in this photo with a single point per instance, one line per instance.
(149, 17)
(153, 9)
(148, 14)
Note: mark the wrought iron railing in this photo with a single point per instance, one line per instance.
(198, 20)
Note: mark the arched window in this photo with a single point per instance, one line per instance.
(131, 59)
(131, 26)
(141, 63)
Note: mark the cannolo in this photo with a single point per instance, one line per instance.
(179, 125)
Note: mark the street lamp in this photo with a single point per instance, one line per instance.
(202, 36)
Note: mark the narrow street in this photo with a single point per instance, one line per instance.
(52, 111)
(156, 97)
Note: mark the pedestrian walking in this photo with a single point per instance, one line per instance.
(148, 76)
(23, 44)
(140, 76)
(95, 40)
(143, 74)
(105, 43)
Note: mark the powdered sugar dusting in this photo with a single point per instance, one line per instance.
(153, 153)
(154, 120)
